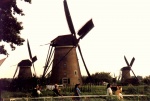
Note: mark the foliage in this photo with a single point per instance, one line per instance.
(146, 80)
(8, 94)
(147, 89)
(18, 84)
(9, 26)
(131, 90)
(2, 50)
(102, 77)
(4, 83)
(98, 78)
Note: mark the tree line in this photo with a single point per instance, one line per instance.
(27, 84)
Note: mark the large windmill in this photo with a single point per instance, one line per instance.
(65, 66)
(24, 66)
(125, 73)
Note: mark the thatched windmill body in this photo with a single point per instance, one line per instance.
(65, 65)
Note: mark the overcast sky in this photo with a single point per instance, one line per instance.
(121, 28)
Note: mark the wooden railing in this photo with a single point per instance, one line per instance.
(70, 98)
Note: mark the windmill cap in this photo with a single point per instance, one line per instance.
(26, 62)
(126, 68)
(64, 40)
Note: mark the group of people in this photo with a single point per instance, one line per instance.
(77, 92)
(118, 91)
(37, 90)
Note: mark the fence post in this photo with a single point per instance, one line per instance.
(0, 95)
(84, 98)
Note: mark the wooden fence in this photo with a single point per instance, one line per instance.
(83, 97)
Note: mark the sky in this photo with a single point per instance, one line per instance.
(121, 27)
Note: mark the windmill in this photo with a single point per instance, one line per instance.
(125, 74)
(114, 80)
(65, 66)
(24, 66)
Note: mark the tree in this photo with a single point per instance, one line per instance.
(102, 77)
(98, 77)
(146, 80)
(9, 26)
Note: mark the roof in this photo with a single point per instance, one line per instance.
(64, 40)
(26, 62)
(126, 68)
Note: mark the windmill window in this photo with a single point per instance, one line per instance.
(75, 72)
(65, 80)
(65, 65)
(65, 73)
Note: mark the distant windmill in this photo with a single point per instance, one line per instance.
(114, 80)
(65, 66)
(125, 75)
(25, 65)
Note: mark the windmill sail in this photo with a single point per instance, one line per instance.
(68, 17)
(1, 61)
(86, 28)
(15, 72)
(29, 50)
(126, 61)
(33, 59)
(84, 63)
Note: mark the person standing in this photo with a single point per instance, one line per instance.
(77, 92)
(36, 91)
(56, 90)
(39, 90)
(118, 93)
(109, 90)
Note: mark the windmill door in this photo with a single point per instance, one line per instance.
(65, 81)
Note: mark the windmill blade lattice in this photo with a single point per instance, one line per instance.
(15, 72)
(132, 61)
(84, 63)
(68, 17)
(126, 61)
(85, 29)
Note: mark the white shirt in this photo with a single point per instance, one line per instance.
(39, 92)
(109, 91)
